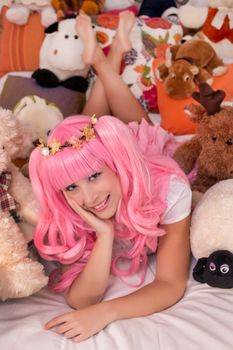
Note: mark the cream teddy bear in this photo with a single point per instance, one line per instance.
(36, 117)
(20, 10)
(20, 276)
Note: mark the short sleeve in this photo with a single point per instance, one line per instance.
(179, 200)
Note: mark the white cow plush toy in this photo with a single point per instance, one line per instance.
(61, 58)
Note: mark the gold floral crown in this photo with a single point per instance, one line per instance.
(75, 142)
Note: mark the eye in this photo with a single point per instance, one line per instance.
(66, 36)
(173, 76)
(71, 187)
(76, 37)
(94, 176)
(212, 266)
(214, 138)
(229, 142)
(224, 268)
(186, 77)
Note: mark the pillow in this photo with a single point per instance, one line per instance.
(146, 35)
(68, 101)
(173, 117)
(20, 45)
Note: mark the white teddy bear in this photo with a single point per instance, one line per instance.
(20, 276)
(20, 10)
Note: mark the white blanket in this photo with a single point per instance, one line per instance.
(202, 320)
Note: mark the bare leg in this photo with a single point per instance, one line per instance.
(110, 94)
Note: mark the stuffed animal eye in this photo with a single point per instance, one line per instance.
(224, 268)
(186, 77)
(48, 132)
(229, 142)
(212, 266)
(66, 36)
(214, 138)
(76, 37)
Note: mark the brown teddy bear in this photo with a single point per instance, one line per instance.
(90, 7)
(211, 149)
(187, 65)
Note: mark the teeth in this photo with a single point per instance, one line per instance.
(100, 205)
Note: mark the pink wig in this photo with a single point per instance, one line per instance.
(60, 234)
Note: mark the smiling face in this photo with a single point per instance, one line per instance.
(100, 193)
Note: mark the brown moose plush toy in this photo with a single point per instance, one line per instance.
(187, 65)
(211, 148)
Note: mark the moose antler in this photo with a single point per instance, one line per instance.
(209, 98)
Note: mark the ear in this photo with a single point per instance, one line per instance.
(52, 28)
(173, 51)
(198, 271)
(194, 69)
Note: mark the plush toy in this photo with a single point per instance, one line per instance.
(90, 7)
(212, 238)
(60, 58)
(37, 116)
(20, 275)
(216, 23)
(188, 64)
(210, 150)
(20, 10)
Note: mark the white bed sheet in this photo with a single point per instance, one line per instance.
(202, 320)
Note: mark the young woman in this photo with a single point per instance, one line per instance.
(109, 194)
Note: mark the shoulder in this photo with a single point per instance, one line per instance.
(178, 201)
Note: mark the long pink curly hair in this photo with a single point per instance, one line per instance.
(61, 235)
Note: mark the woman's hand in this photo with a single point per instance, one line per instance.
(96, 272)
(100, 226)
(81, 324)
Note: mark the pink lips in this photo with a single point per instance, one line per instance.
(101, 206)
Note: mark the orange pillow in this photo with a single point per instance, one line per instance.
(20, 45)
(173, 118)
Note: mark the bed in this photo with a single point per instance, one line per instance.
(203, 319)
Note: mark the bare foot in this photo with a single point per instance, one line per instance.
(125, 25)
(87, 35)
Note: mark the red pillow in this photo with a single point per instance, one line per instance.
(173, 118)
(20, 45)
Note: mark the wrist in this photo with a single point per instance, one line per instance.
(110, 311)
(106, 237)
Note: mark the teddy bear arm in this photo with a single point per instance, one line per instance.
(187, 154)
(216, 66)
(204, 76)
(21, 190)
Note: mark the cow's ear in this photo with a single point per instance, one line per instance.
(198, 271)
(52, 28)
